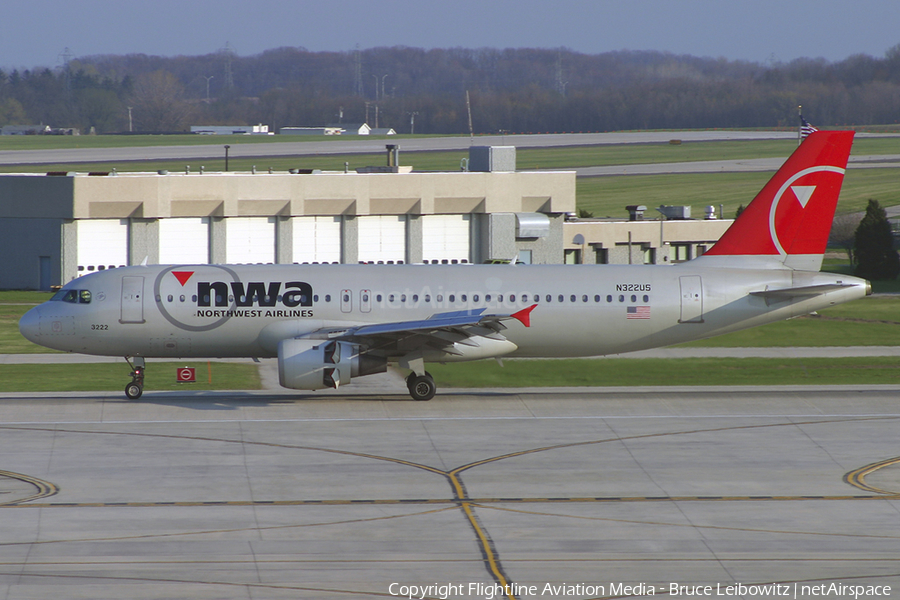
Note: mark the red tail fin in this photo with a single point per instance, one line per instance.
(788, 222)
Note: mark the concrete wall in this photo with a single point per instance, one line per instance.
(22, 244)
(148, 196)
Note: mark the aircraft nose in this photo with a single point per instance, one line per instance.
(30, 324)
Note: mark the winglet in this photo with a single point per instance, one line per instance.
(524, 315)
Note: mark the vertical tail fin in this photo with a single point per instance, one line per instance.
(788, 222)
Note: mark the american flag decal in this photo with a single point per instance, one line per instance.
(638, 312)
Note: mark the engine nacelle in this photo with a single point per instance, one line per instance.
(316, 364)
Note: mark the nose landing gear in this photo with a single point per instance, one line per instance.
(136, 387)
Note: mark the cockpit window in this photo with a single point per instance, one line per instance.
(66, 296)
(72, 296)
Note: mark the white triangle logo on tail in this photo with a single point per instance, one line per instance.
(804, 193)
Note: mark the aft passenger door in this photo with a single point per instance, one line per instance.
(691, 299)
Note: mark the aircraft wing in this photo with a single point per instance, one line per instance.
(440, 331)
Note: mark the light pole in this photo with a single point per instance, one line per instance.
(207, 85)
(382, 85)
(412, 122)
(226, 156)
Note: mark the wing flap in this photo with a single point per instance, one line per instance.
(451, 332)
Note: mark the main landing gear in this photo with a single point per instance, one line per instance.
(136, 387)
(421, 387)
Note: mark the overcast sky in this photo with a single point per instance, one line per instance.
(36, 32)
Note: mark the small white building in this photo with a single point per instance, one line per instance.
(353, 128)
(310, 131)
(231, 129)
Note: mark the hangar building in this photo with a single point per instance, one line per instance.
(55, 227)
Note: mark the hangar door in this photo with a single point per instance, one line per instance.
(184, 241)
(382, 238)
(446, 238)
(101, 244)
(316, 239)
(250, 240)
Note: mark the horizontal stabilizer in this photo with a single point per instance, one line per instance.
(806, 290)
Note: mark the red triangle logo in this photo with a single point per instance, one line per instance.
(182, 276)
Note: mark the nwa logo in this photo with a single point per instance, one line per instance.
(221, 295)
(255, 293)
(788, 215)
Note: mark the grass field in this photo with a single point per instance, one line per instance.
(105, 377)
(652, 372)
(488, 374)
(608, 196)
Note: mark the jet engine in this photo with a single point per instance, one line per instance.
(316, 364)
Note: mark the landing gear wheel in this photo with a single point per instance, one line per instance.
(421, 387)
(136, 387)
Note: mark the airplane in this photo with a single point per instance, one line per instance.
(329, 324)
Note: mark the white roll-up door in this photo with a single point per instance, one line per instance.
(316, 239)
(250, 240)
(184, 241)
(446, 238)
(382, 238)
(102, 244)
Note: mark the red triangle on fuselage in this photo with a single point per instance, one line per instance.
(182, 276)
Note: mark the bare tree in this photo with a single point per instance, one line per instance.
(843, 233)
(159, 103)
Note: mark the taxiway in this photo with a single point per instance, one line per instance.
(287, 495)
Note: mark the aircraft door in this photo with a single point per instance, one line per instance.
(691, 299)
(365, 301)
(132, 300)
(346, 301)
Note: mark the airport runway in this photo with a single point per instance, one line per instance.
(291, 495)
(252, 148)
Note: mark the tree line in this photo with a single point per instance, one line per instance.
(513, 90)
